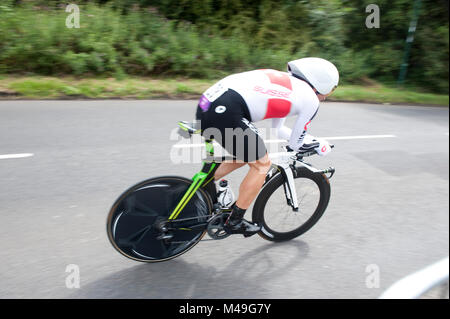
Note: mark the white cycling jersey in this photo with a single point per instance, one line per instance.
(271, 94)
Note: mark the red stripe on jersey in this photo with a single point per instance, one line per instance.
(279, 78)
(277, 108)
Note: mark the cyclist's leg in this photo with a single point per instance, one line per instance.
(229, 116)
(253, 181)
(249, 147)
(241, 138)
(227, 167)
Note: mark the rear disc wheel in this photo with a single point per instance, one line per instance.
(134, 221)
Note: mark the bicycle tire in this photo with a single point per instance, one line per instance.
(131, 219)
(277, 181)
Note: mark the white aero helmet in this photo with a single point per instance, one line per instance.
(319, 73)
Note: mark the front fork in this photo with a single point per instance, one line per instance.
(288, 171)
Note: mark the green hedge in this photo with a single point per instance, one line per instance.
(209, 39)
(109, 43)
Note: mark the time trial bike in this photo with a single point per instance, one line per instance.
(163, 217)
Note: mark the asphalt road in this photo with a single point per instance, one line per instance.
(388, 214)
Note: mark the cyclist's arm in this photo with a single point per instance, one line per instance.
(297, 138)
(283, 131)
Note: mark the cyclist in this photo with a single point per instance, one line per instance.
(227, 109)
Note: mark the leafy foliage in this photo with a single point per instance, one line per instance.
(211, 38)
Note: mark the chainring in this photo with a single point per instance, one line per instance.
(215, 226)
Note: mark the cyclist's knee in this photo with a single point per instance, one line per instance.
(262, 165)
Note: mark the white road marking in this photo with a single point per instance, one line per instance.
(283, 141)
(8, 156)
(358, 137)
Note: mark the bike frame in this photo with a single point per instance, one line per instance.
(285, 165)
(201, 179)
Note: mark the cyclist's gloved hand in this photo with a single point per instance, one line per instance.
(308, 147)
(324, 147)
(311, 143)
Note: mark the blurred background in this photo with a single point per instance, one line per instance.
(207, 39)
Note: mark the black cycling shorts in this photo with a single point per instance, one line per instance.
(227, 121)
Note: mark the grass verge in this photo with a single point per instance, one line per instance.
(37, 87)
